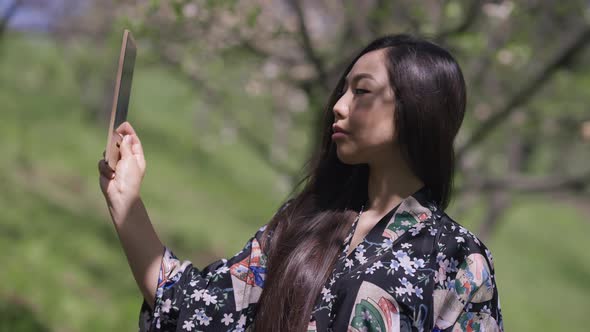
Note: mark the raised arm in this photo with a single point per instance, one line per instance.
(121, 189)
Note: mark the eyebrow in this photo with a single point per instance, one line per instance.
(359, 76)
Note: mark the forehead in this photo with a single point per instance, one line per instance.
(371, 63)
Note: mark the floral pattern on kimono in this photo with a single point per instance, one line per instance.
(416, 270)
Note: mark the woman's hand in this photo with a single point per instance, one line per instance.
(121, 187)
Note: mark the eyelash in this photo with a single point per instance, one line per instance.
(354, 90)
(364, 91)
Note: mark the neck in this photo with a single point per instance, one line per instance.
(389, 184)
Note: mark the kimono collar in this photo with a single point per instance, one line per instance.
(412, 213)
(412, 210)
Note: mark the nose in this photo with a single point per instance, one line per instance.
(341, 107)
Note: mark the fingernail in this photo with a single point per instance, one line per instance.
(126, 138)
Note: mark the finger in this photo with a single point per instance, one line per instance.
(105, 169)
(125, 129)
(126, 147)
(136, 146)
(104, 183)
(137, 150)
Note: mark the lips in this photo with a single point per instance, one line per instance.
(338, 129)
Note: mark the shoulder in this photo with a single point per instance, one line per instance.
(265, 233)
(465, 287)
(455, 240)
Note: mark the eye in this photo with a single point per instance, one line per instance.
(360, 91)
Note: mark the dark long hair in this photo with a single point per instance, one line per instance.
(308, 233)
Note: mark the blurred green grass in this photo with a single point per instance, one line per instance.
(63, 267)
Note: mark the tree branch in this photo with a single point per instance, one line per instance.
(522, 183)
(469, 19)
(499, 202)
(307, 45)
(258, 146)
(571, 47)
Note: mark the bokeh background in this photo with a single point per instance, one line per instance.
(226, 99)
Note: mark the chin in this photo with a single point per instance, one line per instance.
(348, 158)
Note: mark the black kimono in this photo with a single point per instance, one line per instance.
(416, 270)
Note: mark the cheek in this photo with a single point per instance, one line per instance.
(375, 132)
(369, 140)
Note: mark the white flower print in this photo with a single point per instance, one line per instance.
(475, 239)
(406, 245)
(332, 281)
(360, 257)
(242, 320)
(419, 292)
(327, 295)
(209, 299)
(227, 319)
(199, 313)
(419, 263)
(394, 265)
(460, 239)
(360, 248)
(166, 305)
(407, 264)
(202, 317)
(399, 291)
(406, 223)
(387, 243)
(188, 325)
(440, 276)
(408, 289)
(416, 229)
(222, 269)
(399, 254)
(367, 315)
(205, 320)
(432, 230)
(348, 263)
(197, 294)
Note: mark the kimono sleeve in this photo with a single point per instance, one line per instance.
(219, 297)
(465, 295)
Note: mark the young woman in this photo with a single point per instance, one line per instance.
(364, 246)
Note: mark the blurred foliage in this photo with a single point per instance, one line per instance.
(226, 96)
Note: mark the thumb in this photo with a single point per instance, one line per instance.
(126, 147)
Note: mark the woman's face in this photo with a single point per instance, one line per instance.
(366, 112)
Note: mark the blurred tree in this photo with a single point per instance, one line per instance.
(93, 72)
(19, 315)
(8, 14)
(526, 67)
